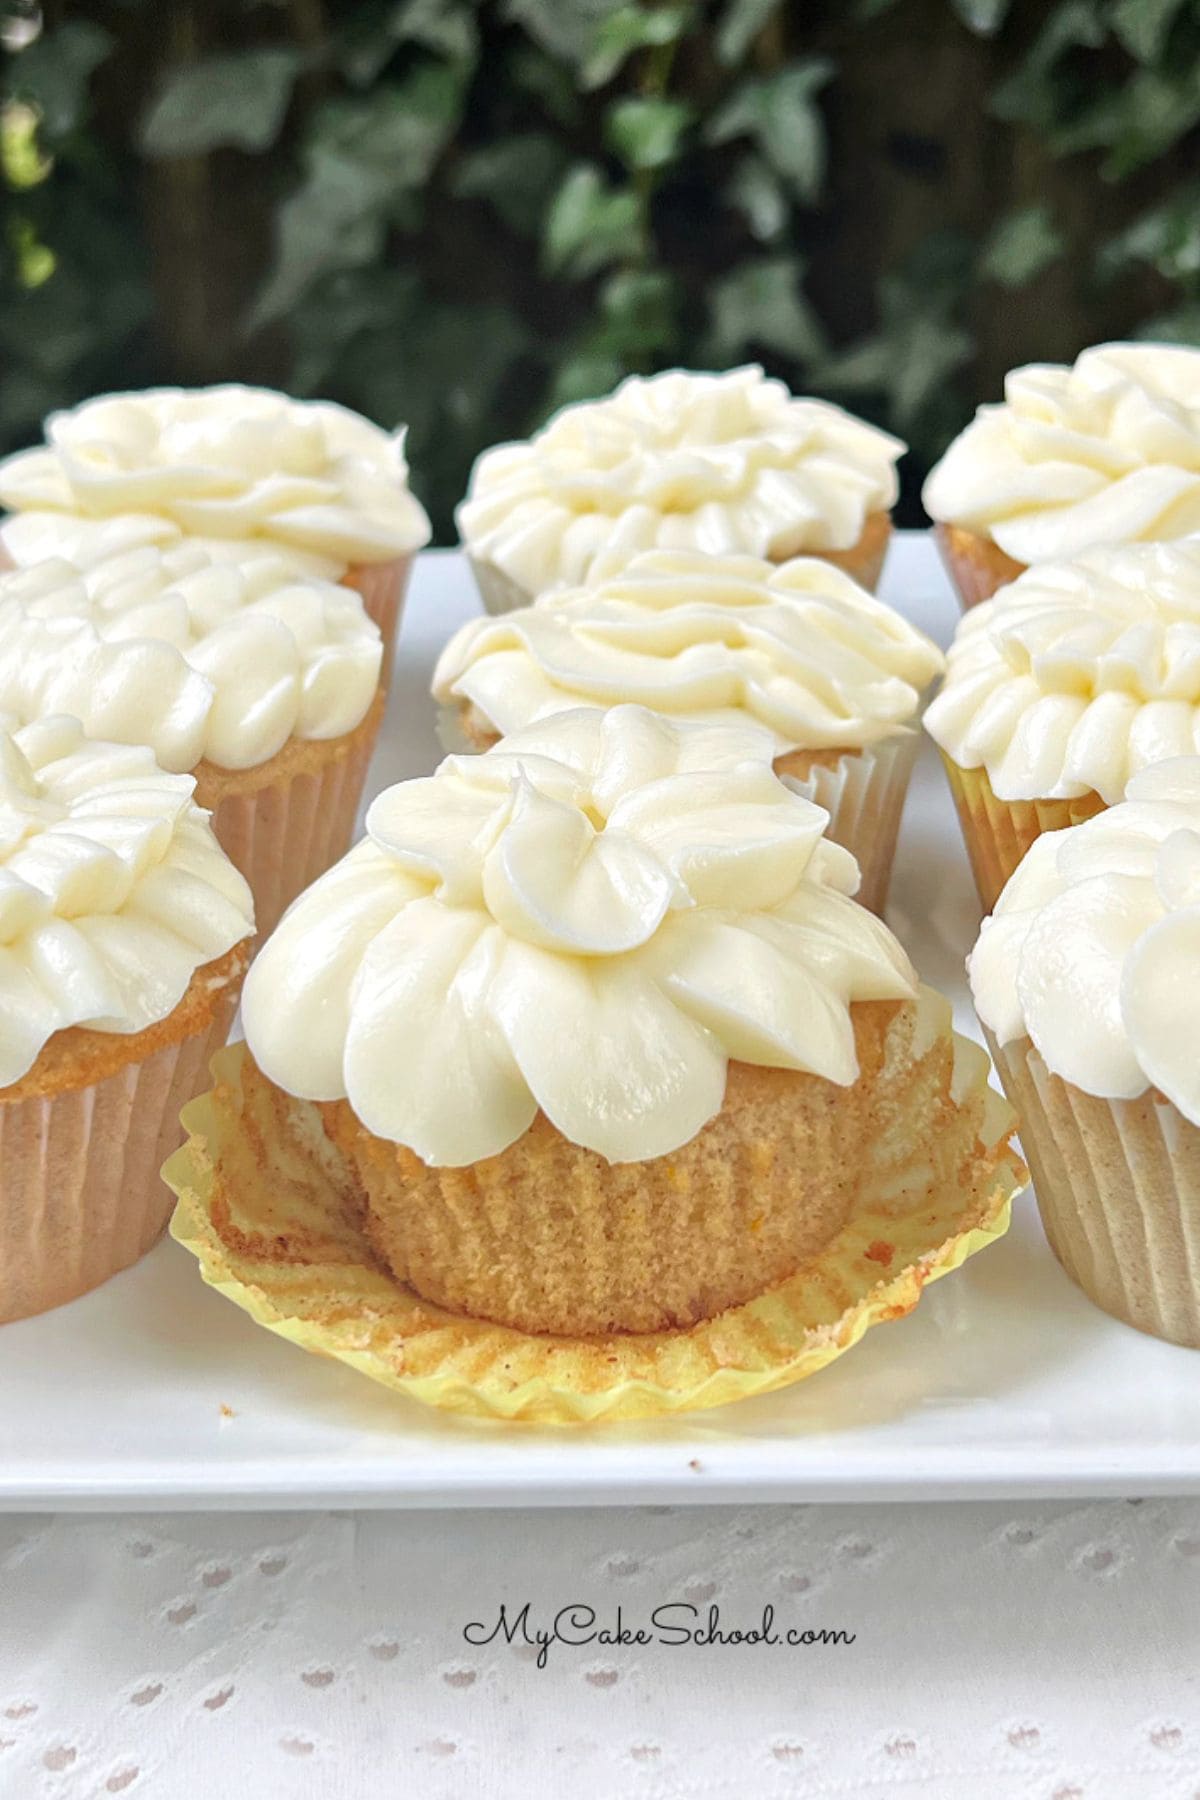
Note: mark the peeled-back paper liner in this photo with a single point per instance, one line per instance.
(864, 794)
(1118, 1188)
(82, 1193)
(977, 567)
(383, 587)
(268, 1221)
(998, 833)
(282, 836)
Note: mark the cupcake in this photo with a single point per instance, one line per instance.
(123, 941)
(263, 686)
(589, 1043)
(1104, 452)
(833, 676)
(726, 464)
(243, 469)
(1087, 978)
(1061, 688)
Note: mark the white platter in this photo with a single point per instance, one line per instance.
(155, 1392)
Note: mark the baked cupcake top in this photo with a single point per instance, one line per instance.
(720, 463)
(226, 462)
(220, 662)
(798, 646)
(113, 889)
(1077, 675)
(1093, 950)
(592, 918)
(1106, 451)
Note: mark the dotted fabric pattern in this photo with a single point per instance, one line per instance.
(1046, 1651)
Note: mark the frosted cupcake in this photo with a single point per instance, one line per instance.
(123, 940)
(1061, 688)
(832, 675)
(265, 687)
(726, 464)
(241, 468)
(1106, 451)
(1087, 978)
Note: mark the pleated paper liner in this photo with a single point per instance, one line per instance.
(383, 587)
(998, 833)
(863, 791)
(977, 567)
(268, 1223)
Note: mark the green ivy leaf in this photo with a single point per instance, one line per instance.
(219, 102)
(53, 73)
(1021, 246)
(779, 112)
(761, 305)
(1166, 238)
(625, 30)
(589, 224)
(983, 17)
(1136, 122)
(515, 175)
(448, 30)
(755, 190)
(740, 24)
(1030, 94)
(645, 133)
(637, 309)
(1143, 26)
(565, 29)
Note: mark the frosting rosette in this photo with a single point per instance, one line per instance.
(113, 889)
(720, 463)
(591, 919)
(1093, 951)
(799, 647)
(227, 462)
(1105, 451)
(1077, 675)
(203, 661)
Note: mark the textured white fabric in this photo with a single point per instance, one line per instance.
(1043, 1651)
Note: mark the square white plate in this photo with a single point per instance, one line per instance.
(155, 1392)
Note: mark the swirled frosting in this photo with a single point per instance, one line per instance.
(227, 462)
(1077, 675)
(1106, 451)
(797, 646)
(222, 662)
(34, 537)
(113, 889)
(1093, 951)
(590, 919)
(720, 463)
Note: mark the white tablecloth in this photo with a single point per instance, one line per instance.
(1042, 1652)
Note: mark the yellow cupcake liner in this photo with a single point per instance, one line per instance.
(266, 1220)
(999, 833)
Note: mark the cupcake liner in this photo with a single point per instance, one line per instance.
(1118, 1187)
(82, 1196)
(863, 792)
(285, 1248)
(499, 593)
(290, 829)
(998, 833)
(863, 561)
(976, 566)
(383, 587)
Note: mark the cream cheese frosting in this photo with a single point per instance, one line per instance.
(1077, 675)
(798, 646)
(227, 462)
(34, 537)
(220, 662)
(721, 463)
(590, 919)
(113, 889)
(1105, 451)
(1093, 951)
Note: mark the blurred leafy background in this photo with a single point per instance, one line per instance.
(461, 213)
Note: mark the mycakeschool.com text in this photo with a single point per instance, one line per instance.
(675, 1624)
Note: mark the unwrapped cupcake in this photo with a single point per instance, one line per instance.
(124, 934)
(727, 464)
(1087, 978)
(1061, 688)
(590, 1046)
(1106, 451)
(833, 675)
(241, 468)
(263, 685)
